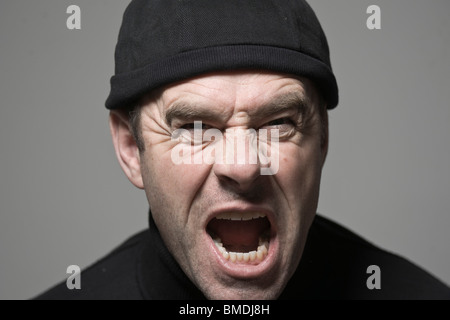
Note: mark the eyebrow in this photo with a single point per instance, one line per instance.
(194, 112)
(190, 112)
(292, 101)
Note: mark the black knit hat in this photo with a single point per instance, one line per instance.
(164, 41)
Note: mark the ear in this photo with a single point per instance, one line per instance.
(325, 139)
(324, 148)
(126, 148)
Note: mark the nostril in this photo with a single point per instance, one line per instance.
(240, 177)
(238, 185)
(227, 180)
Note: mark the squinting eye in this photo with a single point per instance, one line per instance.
(191, 133)
(279, 122)
(193, 126)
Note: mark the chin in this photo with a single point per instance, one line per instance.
(244, 294)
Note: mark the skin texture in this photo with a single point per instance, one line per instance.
(185, 197)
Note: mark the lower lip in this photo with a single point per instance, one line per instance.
(242, 270)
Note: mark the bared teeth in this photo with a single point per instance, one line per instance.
(245, 257)
(240, 216)
(254, 256)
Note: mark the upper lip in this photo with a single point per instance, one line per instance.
(241, 208)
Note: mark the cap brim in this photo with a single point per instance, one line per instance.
(128, 88)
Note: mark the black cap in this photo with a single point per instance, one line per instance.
(164, 41)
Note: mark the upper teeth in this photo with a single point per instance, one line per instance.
(240, 215)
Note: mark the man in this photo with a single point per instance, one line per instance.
(219, 112)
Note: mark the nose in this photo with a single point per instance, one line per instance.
(240, 167)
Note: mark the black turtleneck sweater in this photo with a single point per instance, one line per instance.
(334, 266)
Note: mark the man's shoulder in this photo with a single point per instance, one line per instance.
(344, 265)
(114, 277)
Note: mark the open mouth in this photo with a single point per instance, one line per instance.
(241, 237)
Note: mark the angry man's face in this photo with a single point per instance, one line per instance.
(236, 230)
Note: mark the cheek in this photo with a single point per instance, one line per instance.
(299, 177)
(171, 187)
(171, 190)
(298, 181)
(300, 167)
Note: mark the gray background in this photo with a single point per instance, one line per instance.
(64, 199)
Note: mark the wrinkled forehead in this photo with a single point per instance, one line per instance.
(253, 92)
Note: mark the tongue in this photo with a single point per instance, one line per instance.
(239, 236)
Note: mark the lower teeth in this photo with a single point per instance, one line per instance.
(246, 257)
